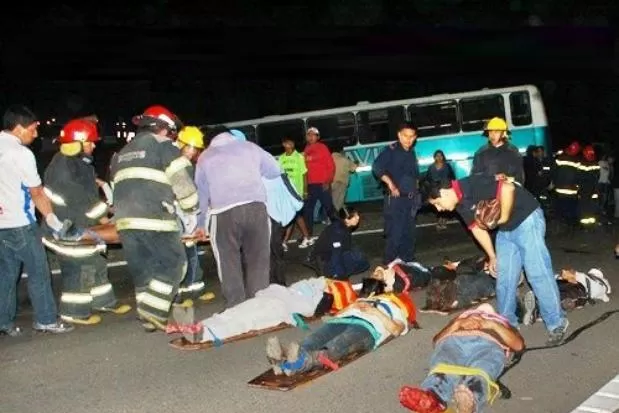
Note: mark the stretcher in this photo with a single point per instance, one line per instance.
(181, 343)
(270, 381)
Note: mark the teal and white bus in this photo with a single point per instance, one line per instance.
(450, 122)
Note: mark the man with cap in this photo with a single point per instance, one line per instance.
(320, 174)
(149, 175)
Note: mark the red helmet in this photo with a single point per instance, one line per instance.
(588, 153)
(158, 115)
(79, 130)
(573, 149)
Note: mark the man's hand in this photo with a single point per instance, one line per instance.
(394, 191)
(492, 266)
(500, 177)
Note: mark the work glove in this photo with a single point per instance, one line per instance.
(59, 228)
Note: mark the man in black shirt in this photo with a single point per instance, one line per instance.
(519, 242)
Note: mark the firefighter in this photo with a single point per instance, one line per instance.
(149, 174)
(191, 143)
(566, 175)
(587, 191)
(498, 156)
(70, 184)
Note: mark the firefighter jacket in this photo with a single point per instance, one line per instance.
(566, 175)
(149, 174)
(588, 177)
(70, 185)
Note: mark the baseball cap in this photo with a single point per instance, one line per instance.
(313, 130)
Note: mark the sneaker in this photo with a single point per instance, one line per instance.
(528, 318)
(11, 331)
(285, 247)
(464, 401)
(305, 243)
(56, 328)
(275, 354)
(420, 401)
(557, 335)
(87, 321)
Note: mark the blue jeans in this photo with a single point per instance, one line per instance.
(23, 246)
(315, 193)
(474, 352)
(525, 246)
(339, 340)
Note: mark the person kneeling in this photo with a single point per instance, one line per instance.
(469, 355)
(362, 326)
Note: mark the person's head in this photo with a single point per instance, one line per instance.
(288, 144)
(439, 157)
(496, 131)
(371, 286)
(312, 135)
(441, 195)
(191, 142)
(158, 120)
(78, 136)
(21, 122)
(393, 282)
(541, 151)
(350, 217)
(407, 135)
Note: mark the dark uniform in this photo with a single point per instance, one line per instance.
(149, 174)
(490, 160)
(70, 185)
(399, 213)
(566, 179)
(587, 192)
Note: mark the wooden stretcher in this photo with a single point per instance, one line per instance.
(181, 343)
(270, 381)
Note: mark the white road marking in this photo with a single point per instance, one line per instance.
(202, 252)
(605, 400)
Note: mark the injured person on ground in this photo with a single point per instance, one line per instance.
(575, 290)
(469, 355)
(361, 327)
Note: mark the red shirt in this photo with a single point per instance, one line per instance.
(320, 165)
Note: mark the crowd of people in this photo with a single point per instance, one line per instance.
(173, 186)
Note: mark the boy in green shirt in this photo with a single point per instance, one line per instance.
(293, 164)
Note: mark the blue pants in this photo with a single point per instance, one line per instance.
(400, 229)
(192, 285)
(474, 352)
(23, 246)
(315, 193)
(338, 340)
(525, 246)
(353, 262)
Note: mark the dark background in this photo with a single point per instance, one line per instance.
(214, 62)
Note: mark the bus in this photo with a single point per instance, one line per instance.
(451, 122)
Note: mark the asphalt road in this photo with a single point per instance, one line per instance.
(116, 367)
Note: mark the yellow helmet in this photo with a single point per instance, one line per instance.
(496, 124)
(192, 136)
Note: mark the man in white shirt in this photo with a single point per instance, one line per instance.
(20, 239)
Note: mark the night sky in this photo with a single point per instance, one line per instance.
(213, 62)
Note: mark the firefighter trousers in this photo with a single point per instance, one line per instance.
(157, 262)
(85, 286)
(192, 285)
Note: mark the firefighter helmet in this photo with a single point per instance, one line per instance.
(496, 124)
(192, 136)
(573, 149)
(158, 115)
(588, 153)
(79, 130)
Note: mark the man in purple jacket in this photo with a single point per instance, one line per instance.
(233, 201)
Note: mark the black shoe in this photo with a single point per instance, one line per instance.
(557, 335)
(11, 332)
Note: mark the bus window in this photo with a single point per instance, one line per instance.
(520, 107)
(335, 130)
(435, 119)
(270, 135)
(477, 111)
(379, 125)
(249, 131)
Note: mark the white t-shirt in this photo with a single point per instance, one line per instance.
(19, 173)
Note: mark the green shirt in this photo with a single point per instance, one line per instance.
(294, 166)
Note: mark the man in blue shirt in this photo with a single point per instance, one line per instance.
(398, 169)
